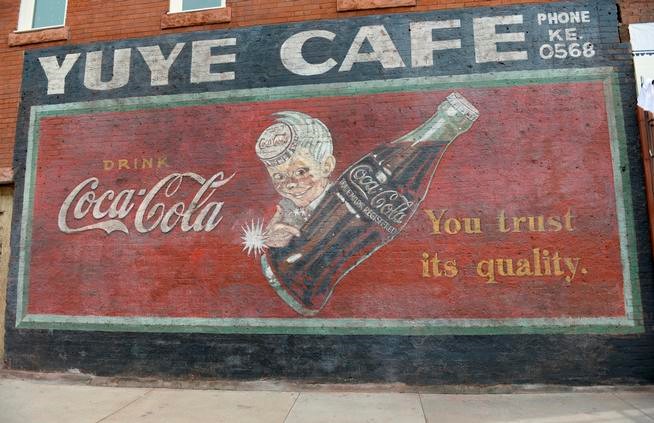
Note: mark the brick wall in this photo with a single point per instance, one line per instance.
(96, 20)
(636, 11)
(569, 359)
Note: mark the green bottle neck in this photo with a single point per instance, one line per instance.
(453, 117)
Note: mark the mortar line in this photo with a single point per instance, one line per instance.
(632, 405)
(125, 406)
(292, 405)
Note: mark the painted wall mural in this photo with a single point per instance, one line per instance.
(457, 172)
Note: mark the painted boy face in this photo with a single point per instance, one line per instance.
(301, 179)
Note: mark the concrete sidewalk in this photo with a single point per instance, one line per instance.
(39, 401)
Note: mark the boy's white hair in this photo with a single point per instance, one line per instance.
(306, 133)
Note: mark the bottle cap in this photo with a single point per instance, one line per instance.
(463, 106)
(276, 144)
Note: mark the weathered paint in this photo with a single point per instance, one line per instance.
(234, 265)
(550, 148)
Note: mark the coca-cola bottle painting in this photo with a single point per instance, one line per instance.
(322, 229)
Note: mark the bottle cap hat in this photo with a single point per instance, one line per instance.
(277, 144)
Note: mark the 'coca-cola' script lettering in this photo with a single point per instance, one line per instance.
(387, 202)
(110, 208)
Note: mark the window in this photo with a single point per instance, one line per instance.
(196, 12)
(39, 14)
(177, 6)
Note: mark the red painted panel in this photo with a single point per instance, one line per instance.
(536, 150)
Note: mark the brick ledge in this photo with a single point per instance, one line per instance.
(38, 36)
(6, 175)
(346, 5)
(201, 17)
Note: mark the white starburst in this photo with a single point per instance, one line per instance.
(254, 238)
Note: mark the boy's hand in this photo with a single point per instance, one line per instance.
(279, 234)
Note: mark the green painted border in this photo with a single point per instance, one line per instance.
(631, 323)
(622, 182)
(309, 326)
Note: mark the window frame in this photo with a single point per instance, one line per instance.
(26, 17)
(176, 7)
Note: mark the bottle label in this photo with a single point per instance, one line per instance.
(366, 189)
